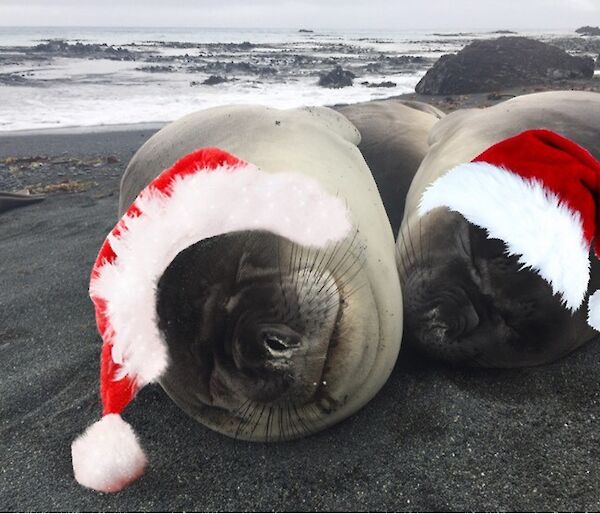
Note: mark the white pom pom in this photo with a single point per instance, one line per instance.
(594, 311)
(107, 456)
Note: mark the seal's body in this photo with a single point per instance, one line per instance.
(394, 141)
(465, 299)
(270, 339)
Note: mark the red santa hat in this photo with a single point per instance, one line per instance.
(207, 193)
(538, 193)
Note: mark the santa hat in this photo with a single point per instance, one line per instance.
(537, 192)
(207, 193)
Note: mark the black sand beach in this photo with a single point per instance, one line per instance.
(434, 438)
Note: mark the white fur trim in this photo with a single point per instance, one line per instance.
(532, 221)
(107, 456)
(594, 311)
(201, 206)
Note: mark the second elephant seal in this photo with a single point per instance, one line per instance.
(466, 300)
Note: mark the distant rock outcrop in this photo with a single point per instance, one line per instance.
(588, 31)
(214, 80)
(337, 78)
(385, 83)
(490, 65)
(60, 47)
(154, 68)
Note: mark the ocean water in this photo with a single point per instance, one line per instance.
(103, 76)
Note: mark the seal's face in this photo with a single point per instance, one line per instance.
(278, 328)
(259, 337)
(467, 301)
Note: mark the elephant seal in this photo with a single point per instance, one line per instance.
(10, 201)
(466, 300)
(394, 141)
(252, 274)
(269, 339)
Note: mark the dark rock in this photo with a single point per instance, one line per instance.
(499, 96)
(373, 67)
(337, 78)
(240, 66)
(60, 47)
(156, 69)
(246, 45)
(504, 32)
(375, 40)
(588, 31)
(13, 79)
(306, 31)
(385, 83)
(577, 45)
(52, 45)
(401, 60)
(10, 60)
(183, 45)
(267, 70)
(502, 63)
(214, 79)
(229, 68)
(302, 60)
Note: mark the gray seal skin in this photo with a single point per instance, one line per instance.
(465, 300)
(269, 340)
(394, 141)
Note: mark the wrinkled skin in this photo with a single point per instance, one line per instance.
(258, 332)
(393, 142)
(465, 300)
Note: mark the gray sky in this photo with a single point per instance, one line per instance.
(334, 14)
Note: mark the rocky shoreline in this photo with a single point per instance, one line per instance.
(249, 60)
(230, 60)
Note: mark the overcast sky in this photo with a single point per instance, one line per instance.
(334, 14)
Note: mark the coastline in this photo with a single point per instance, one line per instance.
(86, 129)
(446, 103)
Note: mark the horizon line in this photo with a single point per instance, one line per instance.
(297, 28)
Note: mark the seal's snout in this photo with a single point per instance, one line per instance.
(446, 321)
(450, 320)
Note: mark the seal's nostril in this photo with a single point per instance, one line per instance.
(470, 317)
(432, 315)
(450, 319)
(279, 341)
(274, 343)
